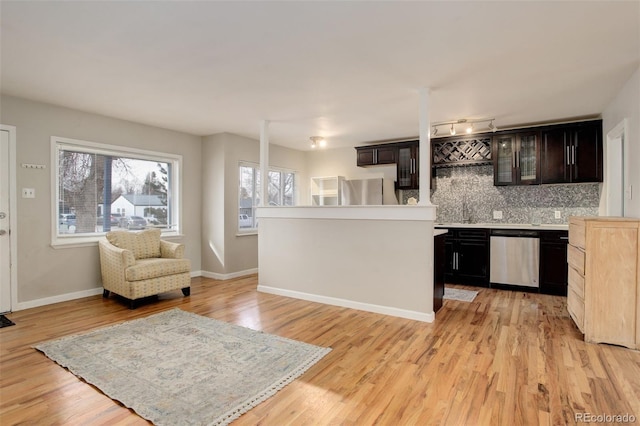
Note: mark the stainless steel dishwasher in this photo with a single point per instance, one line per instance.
(515, 257)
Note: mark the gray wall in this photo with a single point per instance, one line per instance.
(44, 272)
(225, 252)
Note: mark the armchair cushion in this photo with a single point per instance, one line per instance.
(145, 269)
(144, 244)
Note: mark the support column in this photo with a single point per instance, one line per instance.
(425, 148)
(264, 163)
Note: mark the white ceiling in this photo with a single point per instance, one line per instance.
(349, 71)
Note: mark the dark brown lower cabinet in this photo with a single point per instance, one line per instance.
(438, 271)
(467, 257)
(553, 262)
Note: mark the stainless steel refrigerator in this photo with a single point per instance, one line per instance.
(358, 192)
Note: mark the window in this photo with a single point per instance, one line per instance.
(281, 190)
(102, 187)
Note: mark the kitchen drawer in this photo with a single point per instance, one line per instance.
(577, 232)
(576, 282)
(472, 234)
(575, 258)
(575, 306)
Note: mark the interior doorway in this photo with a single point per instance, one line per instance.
(615, 170)
(7, 217)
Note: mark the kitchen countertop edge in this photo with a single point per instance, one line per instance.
(545, 227)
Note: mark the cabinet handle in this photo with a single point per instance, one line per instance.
(568, 157)
(573, 155)
(513, 156)
(375, 156)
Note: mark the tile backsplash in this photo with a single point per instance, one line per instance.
(470, 189)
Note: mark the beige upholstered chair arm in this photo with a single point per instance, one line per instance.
(171, 250)
(115, 257)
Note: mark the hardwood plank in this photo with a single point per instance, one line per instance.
(507, 358)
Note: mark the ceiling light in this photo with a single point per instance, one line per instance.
(318, 141)
(435, 130)
(453, 130)
(470, 128)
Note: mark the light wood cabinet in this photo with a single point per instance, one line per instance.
(604, 294)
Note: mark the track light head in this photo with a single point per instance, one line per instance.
(453, 130)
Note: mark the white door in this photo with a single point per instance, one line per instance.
(5, 242)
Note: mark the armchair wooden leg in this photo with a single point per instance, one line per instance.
(186, 291)
(132, 304)
(105, 294)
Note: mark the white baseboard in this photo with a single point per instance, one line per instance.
(94, 291)
(217, 276)
(378, 309)
(57, 299)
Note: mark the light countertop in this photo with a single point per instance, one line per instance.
(500, 225)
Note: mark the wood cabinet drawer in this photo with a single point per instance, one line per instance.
(575, 306)
(577, 232)
(576, 282)
(575, 258)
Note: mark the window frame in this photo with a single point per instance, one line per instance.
(67, 144)
(256, 167)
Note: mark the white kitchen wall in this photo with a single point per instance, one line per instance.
(342, 162)
(626, 104)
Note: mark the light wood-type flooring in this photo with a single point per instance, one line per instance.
(507, 358)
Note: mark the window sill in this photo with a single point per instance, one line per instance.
(92, 240)
(245, 234)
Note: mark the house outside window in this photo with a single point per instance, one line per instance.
(101, 187)
(281, 192)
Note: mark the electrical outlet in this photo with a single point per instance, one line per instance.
(28, 193)
(558, 214)
(497, 214)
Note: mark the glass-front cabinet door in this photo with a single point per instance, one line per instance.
(516, 159)
(528, 168)
(504, 166)
(407, 166)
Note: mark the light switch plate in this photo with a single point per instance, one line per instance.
(629, 192)
(558, 214)
(497, 214)
(28, 193)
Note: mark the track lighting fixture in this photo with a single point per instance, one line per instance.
(469, 128)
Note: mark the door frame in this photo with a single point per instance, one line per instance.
(619, 132)
(13, 216)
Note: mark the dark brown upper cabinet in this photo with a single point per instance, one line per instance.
(516, 158)
(408, 165)
(572, 153)
(376, 155)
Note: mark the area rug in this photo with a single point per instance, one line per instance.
(179, 368)
(459, 294)
(5, 322)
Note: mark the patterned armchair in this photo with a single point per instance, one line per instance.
(139, 264)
